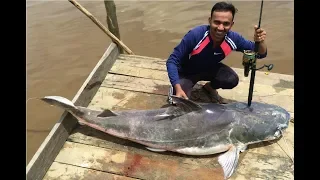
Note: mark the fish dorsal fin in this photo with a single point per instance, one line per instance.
(107, 113)
(185, 104)
(229, 161)
(174, 111)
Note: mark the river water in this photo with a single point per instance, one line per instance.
(64, 45)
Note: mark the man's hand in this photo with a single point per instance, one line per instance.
(180, 92)
(259, 34)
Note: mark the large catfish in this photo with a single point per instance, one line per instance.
(187, 127)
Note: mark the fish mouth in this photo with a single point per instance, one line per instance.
(280, 130)
(278, 134)
(282, 127)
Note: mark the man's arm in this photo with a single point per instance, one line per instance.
(262, 48)
(174, 61)
(259, 36)
(244, 44)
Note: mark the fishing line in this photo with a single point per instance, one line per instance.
(32, 99)
(285, 142)
(290, 156)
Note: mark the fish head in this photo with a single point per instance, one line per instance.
(277, 124)
(262, 123)
(273, 124)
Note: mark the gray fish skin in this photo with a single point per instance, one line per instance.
(260, 122)
(189, 128)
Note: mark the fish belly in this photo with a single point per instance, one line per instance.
(204, 150)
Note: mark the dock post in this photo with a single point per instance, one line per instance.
(112, 21)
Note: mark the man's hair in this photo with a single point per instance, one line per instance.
(223, 6)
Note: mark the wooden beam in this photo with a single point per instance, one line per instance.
(101, 26)
(47, 152)
(134, 164)
(112, 20)
(136, 84)
(111, 98)
(66, 171)
(137, 62)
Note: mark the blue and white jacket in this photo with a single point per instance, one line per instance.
(195, 52)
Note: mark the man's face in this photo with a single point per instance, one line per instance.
(220, 23)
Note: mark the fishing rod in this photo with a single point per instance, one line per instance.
(249, 62)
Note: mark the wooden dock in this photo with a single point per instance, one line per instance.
(120, 81)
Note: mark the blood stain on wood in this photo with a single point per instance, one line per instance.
(129, 170)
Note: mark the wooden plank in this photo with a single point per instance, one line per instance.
(153, 86)
(48, 150)
(286, 143)
(90, 136)
(110, 98)
(133, 65)
(136, 56)
(159, 65)
(256, 166)
(262, 153)
(262, 93)
(132, 164)
(125, 69)
(60, 171)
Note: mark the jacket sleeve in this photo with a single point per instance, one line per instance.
(174, 61)
(244, 44)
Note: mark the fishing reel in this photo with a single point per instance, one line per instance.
(249, 62)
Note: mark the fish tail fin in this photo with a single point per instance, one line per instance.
(61, 102)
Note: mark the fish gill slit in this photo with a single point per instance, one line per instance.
(229, 135)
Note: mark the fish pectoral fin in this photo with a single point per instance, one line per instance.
(107, 113)
(229, 161)
(155, 149)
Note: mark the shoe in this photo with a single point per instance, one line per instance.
(215, 97)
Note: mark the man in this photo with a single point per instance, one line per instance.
(198, 56)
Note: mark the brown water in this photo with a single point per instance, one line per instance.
(63, 45)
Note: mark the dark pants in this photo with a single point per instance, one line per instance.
(222, 76)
